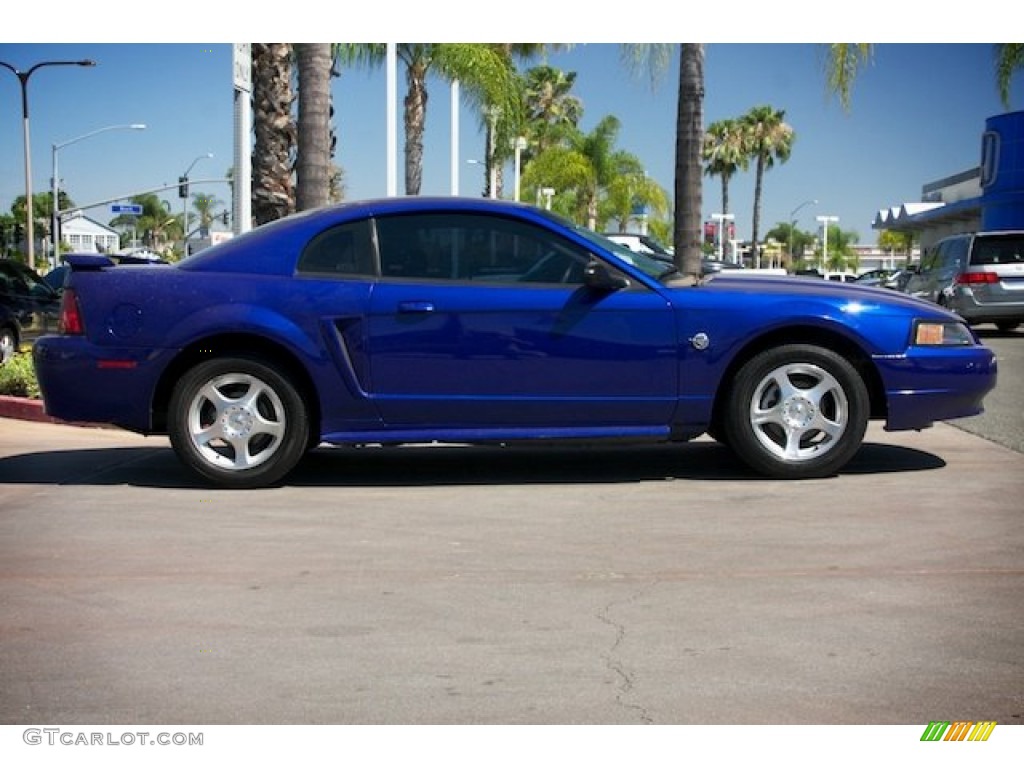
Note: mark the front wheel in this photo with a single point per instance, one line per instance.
(238, 422)
(797, 411)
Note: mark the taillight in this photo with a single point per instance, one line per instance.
(70, 323)
(977, 278)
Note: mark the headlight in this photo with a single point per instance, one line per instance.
(929, 333)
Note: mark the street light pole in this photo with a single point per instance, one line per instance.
(183, 194)
(792, 222)
(825, 221)
(518, 144)
(721, 218)
(55, 180)
(23, 78)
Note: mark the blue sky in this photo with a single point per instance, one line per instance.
(917, 115)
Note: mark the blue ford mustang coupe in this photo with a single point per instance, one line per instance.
(469, 320)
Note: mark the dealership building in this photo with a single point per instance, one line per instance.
(989, 197)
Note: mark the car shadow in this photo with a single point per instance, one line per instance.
(412, 466)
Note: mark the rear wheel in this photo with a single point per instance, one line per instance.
(797, 411)
(238, 422)
(1007, 325)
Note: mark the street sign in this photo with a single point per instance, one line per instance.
(134, 210)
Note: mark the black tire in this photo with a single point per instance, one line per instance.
(796, 411)
(238, 422)
(1007, 325)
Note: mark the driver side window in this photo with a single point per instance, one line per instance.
(476, 247)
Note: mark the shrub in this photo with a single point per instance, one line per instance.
(18, 377)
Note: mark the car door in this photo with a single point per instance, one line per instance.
(483, 321)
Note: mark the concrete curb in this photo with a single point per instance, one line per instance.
(24, 408)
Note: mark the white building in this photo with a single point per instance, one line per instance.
(83, 235)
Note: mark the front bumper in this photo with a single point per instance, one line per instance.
(930, 384)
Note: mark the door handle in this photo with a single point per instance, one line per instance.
(415, 307)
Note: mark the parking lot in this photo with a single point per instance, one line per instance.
(449, 585)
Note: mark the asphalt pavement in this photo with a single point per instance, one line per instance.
(429, 585)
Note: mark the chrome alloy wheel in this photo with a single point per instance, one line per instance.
(798, 412)
(236, 421)
(8, 345)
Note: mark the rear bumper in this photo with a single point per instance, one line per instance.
(933, 384)
(966, 304)
(80, 382)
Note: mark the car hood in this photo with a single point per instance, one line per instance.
(809, 288)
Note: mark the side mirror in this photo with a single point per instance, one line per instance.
(597, 276)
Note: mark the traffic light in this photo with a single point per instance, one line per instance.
(183, 187)
(224, 218)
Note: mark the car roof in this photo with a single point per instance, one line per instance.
(291, 233)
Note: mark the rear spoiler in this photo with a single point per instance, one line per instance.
(88, 262)
(92, 262)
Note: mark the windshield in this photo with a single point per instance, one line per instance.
(650, 266)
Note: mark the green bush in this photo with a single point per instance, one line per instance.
(18, 377)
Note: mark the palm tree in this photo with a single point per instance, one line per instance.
(653, 58)
(552, 112)
(275, 132)
(795, 239)
(155, 225)
(313, 162)
(1009, 59)
(206, 206)
(841, 254)
(631, 187)
(689, 138)
(582, 165)
(844, 61)
(768, 139)
(501, 124)
(724, 153)
(484, 71)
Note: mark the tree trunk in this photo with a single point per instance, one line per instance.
(415, 124)
(755, 249)
(273, 193)
(313, 161)
(689, 138)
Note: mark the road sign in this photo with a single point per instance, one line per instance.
(134, 210)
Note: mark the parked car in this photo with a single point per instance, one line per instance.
(899, 279)
(418, 319)
(841, 277)
(876, 277)
(641, 244)
(649, 246)
(979, 276)
(28, 307)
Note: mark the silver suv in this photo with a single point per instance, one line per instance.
(979, 276)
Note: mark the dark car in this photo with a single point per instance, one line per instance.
(28, 307)
(477, 321)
